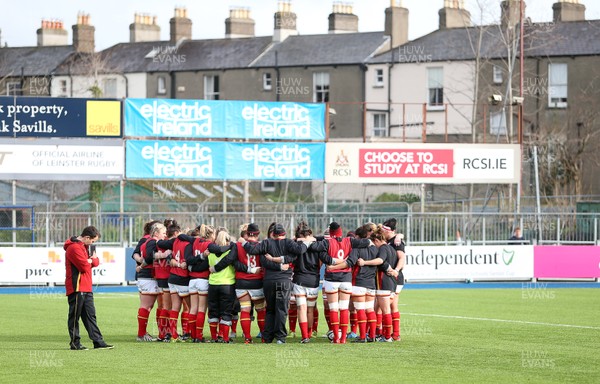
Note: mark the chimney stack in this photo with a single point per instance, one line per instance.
(239, 23)
(396, 23)
(52, 32)
(568, 10)
(83, 34)
(285, 21)
(342, 19)
(454, 15)
(144, 28)
(510, 13)
(181, 26)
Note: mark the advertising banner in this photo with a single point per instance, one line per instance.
(62, 160)
(566, 262)
(46, 117)
(469, 262)
(211, 160)
(224, 119)
(422, 163)
(47, 265)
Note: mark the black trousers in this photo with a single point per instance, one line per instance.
(220, 302)
(277, 297)
(81, 305)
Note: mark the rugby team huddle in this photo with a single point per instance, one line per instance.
(207, 274)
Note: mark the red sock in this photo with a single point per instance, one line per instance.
(328, 318)
(143, 315)
(396, 324)
(260, 319)
(315, 323)
(192, 325)
(361, 317)
(293, 315)
(173, 315)
(354, 322)
(387, 325)
(304, 330)
(372, 324)
(163, 327)
(158, 320)
(246, 324)
(184, 322)
(213, 330)
(234, 323)
(344, 320)
(224, 330)
(200, 318)
(334, 317)
(379, 323)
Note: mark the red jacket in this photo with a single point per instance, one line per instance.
(79, 270)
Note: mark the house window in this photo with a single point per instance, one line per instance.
(436, 87)
(498, 123)
(267, 81)
(557, 85)
(161, 85)
(14, 89)
(498, 75)
(110, 88)
(321, 90)
(379, 77)
(62, 85)
(379, 125)
(267, 186)
(211, 87)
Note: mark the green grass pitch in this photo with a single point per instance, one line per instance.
(455, 335)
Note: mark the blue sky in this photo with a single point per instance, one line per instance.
(112, 17)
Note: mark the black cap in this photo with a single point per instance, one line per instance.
(391, 224)
(279, 230)
(253, 229)
(335, 230)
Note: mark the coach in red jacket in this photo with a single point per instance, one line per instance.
(78, 283)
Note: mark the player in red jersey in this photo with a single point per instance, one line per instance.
(396, 241)
(249, 283)
(161, 271)
(146, 283)
(338, 283)
(178, 283)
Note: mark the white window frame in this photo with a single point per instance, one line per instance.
(63, 87)
(267, 81)
(435, 82)
(321, 81)
(498, 124)
(380, 128)
(498, 74)
(13, 86)
(267, 186)
(211, 91)
(161, 85)
(558, 83)
(109, 88)
(379, 77)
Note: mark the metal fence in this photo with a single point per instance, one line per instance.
(440, 228)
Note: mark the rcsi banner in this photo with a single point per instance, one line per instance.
(175, 160)
(224, 119)
(46, 117)
(47, 265)
(463, 262)
(275, 161)
(566, 262)
(77, 160)
(422, 163)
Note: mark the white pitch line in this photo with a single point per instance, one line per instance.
(503, 321)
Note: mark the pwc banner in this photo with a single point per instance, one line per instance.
(211, 160)
(422, 163)
(47, 265)
(224, 119)
(46, 117)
